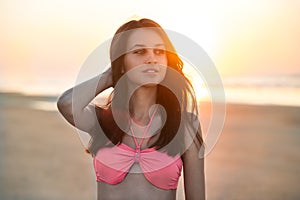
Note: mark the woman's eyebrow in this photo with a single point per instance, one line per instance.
(142, 45)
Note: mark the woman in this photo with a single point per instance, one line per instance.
(148, 131)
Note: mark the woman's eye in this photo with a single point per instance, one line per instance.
(159, 51)
(139, 51)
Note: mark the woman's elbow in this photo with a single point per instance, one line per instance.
(64, 105)
(61, 102)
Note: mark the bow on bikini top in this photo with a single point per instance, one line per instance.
(112, 164)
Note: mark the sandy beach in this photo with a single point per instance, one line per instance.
(256, 157)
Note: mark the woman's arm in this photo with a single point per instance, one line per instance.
(193, 167)
(75, 103)
(193, 171)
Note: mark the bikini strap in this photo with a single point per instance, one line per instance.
(138, 145)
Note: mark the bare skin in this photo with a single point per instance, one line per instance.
(82, 116)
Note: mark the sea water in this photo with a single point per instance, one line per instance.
(267, 90)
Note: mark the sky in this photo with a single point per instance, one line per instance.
(43, 43)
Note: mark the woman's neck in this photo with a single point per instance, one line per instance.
(140, 103)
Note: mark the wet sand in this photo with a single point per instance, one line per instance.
(256, 157)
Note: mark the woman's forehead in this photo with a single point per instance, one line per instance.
(143, 37)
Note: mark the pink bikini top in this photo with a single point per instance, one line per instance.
(112, 164)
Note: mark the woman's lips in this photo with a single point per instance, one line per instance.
(151, 69)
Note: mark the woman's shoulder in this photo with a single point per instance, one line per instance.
(100, 108)
(103, 112)
(191, 116)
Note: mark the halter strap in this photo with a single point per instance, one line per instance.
(138, 145)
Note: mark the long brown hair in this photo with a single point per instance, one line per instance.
(175, 94)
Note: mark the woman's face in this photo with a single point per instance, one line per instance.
(146, 59)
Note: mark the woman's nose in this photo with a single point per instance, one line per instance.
(151, 58)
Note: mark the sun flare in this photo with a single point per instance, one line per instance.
(199, 85)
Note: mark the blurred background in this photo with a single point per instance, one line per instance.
(254, 45)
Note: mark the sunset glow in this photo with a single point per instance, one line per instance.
(44, 43)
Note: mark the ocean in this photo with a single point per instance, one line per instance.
(268, 90)
(281, 90)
